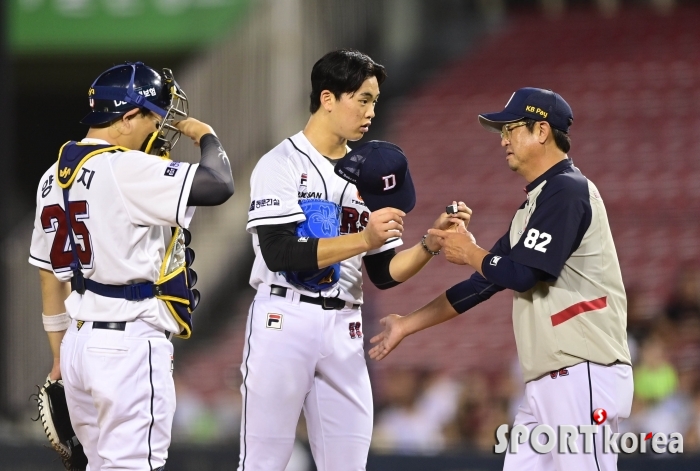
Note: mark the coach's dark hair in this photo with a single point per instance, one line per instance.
(561, 139)
(342, 71)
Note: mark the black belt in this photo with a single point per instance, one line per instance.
(109, 325)
(115, 326)
(326, 303)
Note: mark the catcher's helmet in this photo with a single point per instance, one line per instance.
(135, 85)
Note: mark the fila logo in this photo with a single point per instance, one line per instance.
(303, 178)
(389, 182)
(494, 260)
(355, 332)
(274, 321)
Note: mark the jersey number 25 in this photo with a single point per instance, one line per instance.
(53, 219)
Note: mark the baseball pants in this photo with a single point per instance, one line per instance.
(569, 399)
(300, 356)
(120, 394)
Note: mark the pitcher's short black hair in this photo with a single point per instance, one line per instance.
(342, 71)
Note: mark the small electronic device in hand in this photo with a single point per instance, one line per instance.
(451, 209)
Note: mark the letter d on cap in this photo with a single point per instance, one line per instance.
(389, 182)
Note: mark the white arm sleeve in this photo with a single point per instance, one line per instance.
(154, 190)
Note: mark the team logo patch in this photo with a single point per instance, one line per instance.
(562, 372)
(389, 182)
(171, 169)
(274, 321)
(355, 332)
(494, 260)
(79, 324)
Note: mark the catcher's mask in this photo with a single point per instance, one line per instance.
(135, 85)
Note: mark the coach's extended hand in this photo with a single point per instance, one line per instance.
(460, 248)
(389, 338)
(396, 327)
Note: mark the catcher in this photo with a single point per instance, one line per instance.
(111, 247)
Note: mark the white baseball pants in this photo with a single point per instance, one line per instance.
(120, 394)
(570, 399)
(296, 356)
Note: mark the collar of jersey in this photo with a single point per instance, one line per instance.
(92, 140)
(309, 148)
(66, 169)
(559, 167)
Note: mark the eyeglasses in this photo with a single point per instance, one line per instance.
(508, 128)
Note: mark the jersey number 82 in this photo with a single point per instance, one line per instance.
(533, 235)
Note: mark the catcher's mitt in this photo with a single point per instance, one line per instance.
(53, 413)
(322, 220)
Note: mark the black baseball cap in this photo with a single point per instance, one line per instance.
(379, 170)
(536, 103)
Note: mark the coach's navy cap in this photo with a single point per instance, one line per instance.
(379, 170)
(535, 103)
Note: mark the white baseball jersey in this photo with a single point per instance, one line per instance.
(122, 207)
(293, 171)
(298, 354)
